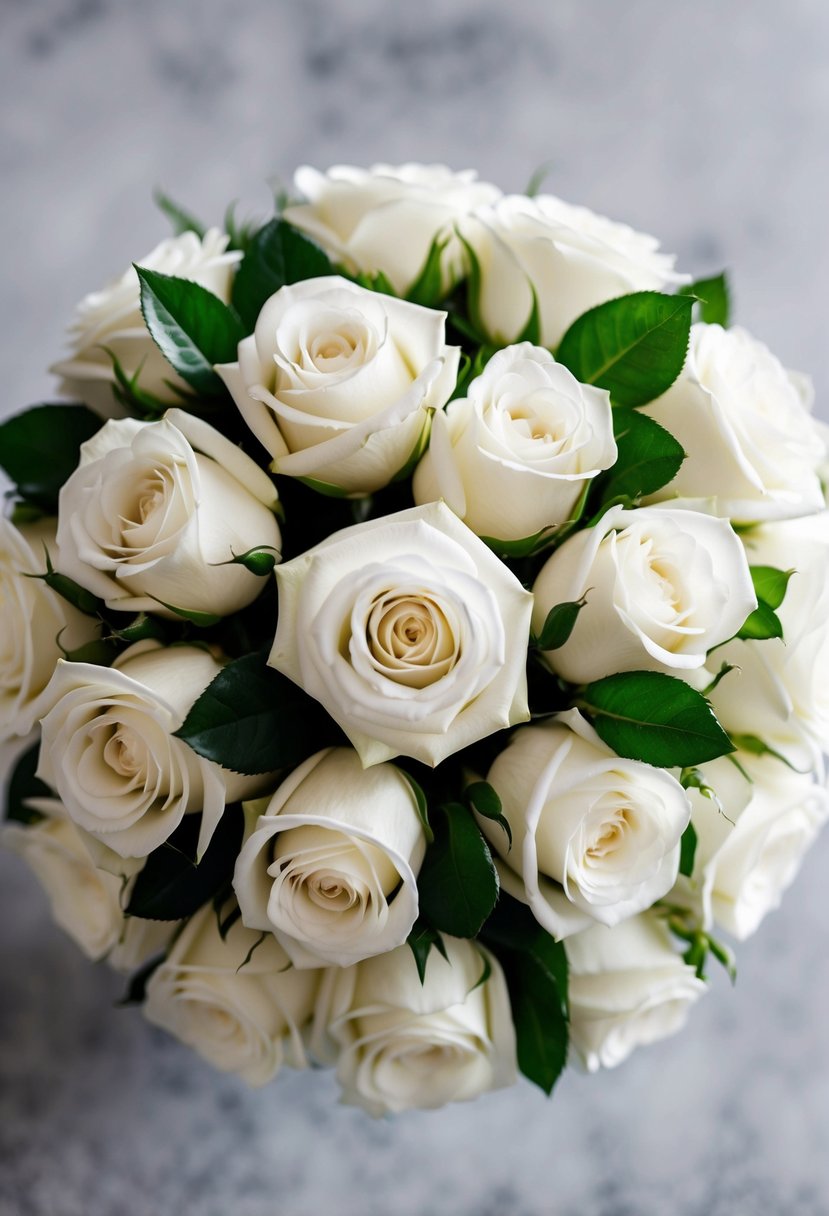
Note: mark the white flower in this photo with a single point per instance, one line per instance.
(110, 320)
(385, 218)
(409, 631)
(86, 902)
(35, 620)
(594, 837)
(109, 751)
(338, 382)
(749, 853)
(751, 444)
(779, 690)
(662, 588)
(237, 1002)
(399, 1043)
(628, 988)
(572, 259)
(331, 864)
(156, 510)
(513, 456)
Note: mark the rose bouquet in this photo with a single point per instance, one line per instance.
(418, 632)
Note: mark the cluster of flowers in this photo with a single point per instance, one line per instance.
(537, 696)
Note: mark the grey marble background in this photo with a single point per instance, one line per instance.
(705, 123)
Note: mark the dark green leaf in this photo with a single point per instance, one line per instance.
(649, 716)
(761, 624)
(277, 255)
(137, 983)
(100, 651)
(559, 623)
(714, 299)
(525, 547)
(688, 850)
(171, 885)
(770, 584)
(23, 785)
(633, 346)
(40, 448)
(484, 800)
(140, 628)
(512, 926)
(427, 288)
(191, 327)
(181, 220)
(458, 882)
(540, 1026)
(649, 457)
(252, 719)
(421, 940)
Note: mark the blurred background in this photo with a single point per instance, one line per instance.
(705, 124)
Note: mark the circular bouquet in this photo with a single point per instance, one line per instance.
(423, 616)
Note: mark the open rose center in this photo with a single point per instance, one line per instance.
(411, 639)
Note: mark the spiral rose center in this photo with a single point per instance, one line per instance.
(411, 639)
(609, 837)
(125, 754)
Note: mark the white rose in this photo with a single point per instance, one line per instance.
(409, 631)
(339, 383)
(749, 853)
(594, 837)
(358, 216)
(399, 1043)
(512, 458)
(86, 902)
(110, 320)
(239, 1004)
(751, 444)
(109, 751)
(331, 864)
(779, 690)
(662, 588)
(572, 259)
(154, 512)
(628, 988)
(35, 620)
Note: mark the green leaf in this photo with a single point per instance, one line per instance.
(648, 457)
(770, 584)
(761, 624)
(137, 984)
(538, 178)
(633, 346)
(458, 882)
(540, 1027)
(525, 547)
(191, 327)
(421, 940)
(649, 716)
(687, 852)
(512, 926)
(376, 281)
(483, 799)
(68, 589)
(171, 885)
(277, 255)
(40, 449)
(559, 623)
(23, 785)
(714, 299)
(181, 220)
(252, 719)
(421, 805)
(427, 288)
(140, 628)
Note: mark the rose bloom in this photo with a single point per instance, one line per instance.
(628, 988)
(409, 631)
(109, 323)
(358, 215)
(38, 624)
(779, 688)
(339, 383)
(155, 513)
(751, 445)
(513, 456)
(399, 1043)
(109, 751)
(662, 588)
(594, 837)
(86, 901)
(749, 852)
(571, 258)
(236, 1001)
(330, 865)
